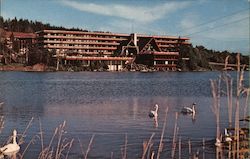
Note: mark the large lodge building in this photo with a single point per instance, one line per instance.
(116, 50)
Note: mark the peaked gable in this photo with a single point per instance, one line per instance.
(148, 44)
(125, 45)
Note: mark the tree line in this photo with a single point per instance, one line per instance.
(29, 26)
(199, 58)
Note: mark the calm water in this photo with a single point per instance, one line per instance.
(109, 105)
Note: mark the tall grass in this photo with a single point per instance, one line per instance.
(162, 134)
(240, 91)
(174, 137)
(63, 145)
(1, 123)
(229, 91)
(147, 145)
(246, 107)
(215, 84)
(124, 154)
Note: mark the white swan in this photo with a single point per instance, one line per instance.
(154, 113)
(12, 147)
(218, 143)
(188, 110)
(227, 136)
(196, 155)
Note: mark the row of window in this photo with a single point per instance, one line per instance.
(165, 62)
(170, 49)
(166, 56)
(79, 41)
(78, 45)
(83, 35)
(82, 51)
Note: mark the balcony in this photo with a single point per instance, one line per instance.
(83, 38)
(80, 47)
(78, 42)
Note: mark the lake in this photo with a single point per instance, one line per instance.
(113, 106)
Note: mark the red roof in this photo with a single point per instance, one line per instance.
(8, 34)
(23, 35)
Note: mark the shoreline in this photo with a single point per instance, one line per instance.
(44, 68)
(6, 68)
(23, 68)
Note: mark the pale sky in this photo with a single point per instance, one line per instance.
(216, 24)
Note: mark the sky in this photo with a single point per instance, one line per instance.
(216, 24)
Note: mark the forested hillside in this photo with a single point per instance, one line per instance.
(28, 26)
(199, 58)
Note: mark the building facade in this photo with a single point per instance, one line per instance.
(160, 52)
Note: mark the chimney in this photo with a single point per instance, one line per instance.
(134, 36)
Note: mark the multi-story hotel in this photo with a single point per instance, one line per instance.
(160, 52)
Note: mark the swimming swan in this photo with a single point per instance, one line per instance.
(188, 110)
(218, 143)
(227, 136)
(154, 113)
(12, 147)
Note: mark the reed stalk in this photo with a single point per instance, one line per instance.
(147, 146)
(203, 148)
(226, 63)
(174, 137)
(162, 134)
(81, 147)
(218, 153)
(246, 107)
(52, 138)
(189, 147)
(150, 154)
(239, 87)
(46, 152)
(234, 149)
(229, 85)
(125, 147)
(230, 101)
(70, 145)
(215, 84)
(26, 148)
(41, 133)
(1, 123)
(21, 140)
(229, 150)
(179, 147)
(60, 133)
(88, 149)
(62, 144)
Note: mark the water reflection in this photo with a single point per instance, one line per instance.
(135, 107)
(156, 122)
(191, 116)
